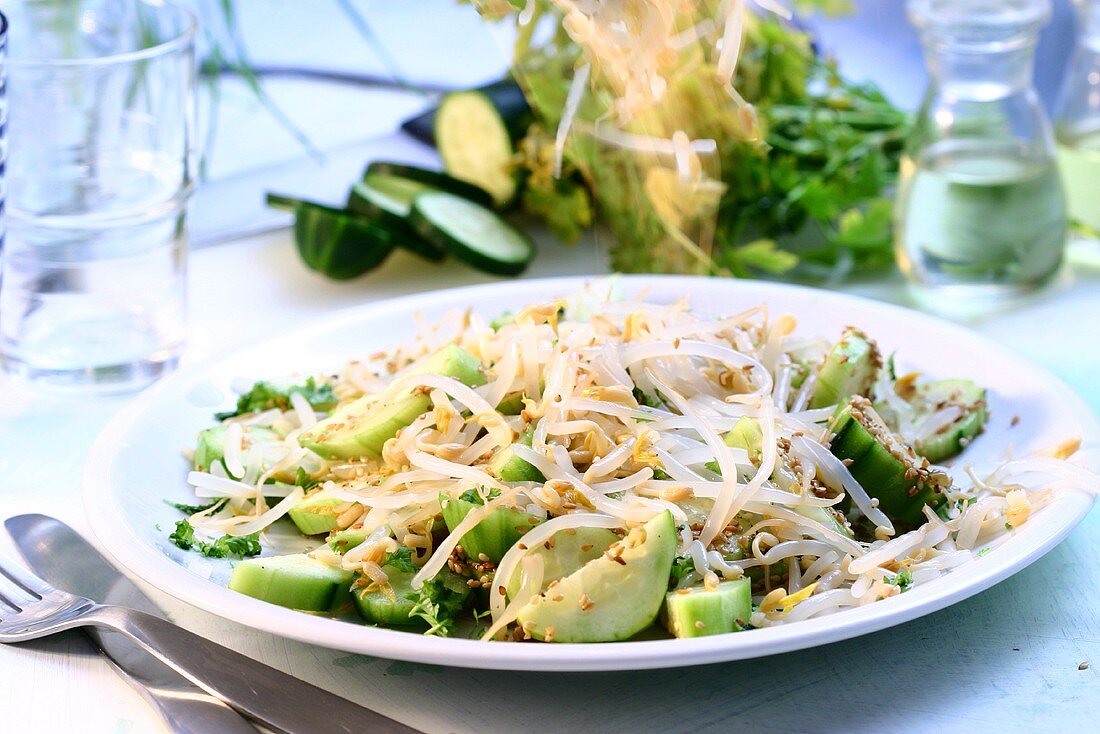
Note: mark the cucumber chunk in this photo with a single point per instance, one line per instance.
(315, 515)
(344, 540)
(294, 581)
(471, 233)
(360, 429)
(494, 535)
(849, 369)
(209, 448)
(698, 612)
(607, 600)
(950, 440)
(394, 609)
(474, 143)
(885, 467)
(511, 468)
(565, 552)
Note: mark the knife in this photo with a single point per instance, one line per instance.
(59, 555)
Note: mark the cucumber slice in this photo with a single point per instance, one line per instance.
(951, 439)
(506, 96)
(361, 429)
(209, 448)
(608, 599)
(512, 404)
(337, 243)
(344, 540)
(698, 612)
(295, 581)
(376, 606)
(315, 515)
(511, 468)
(471, 233)
(566, 552)
(849, 369)
(474, 143)
(886, 468)
(494, 535)
(436, 180)
(387, 199)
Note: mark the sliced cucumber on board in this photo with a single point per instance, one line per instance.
(506, 96)
(337, 243)
(387, 199)
(475, 145)
(471, 233)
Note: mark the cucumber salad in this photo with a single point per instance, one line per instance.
(596, 469)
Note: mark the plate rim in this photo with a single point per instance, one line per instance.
(106, 521)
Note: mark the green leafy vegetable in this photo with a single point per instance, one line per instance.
(681, 567)
(400, 559)
(184, 538)
(474, 496)
(193, 509)
(265, 396)
(439, 603)
(903, 580)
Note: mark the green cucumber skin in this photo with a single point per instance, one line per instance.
(402, 234)
(494, 535)
(375, 607)
(314, 516)
(338, 244)
(849, 369)
(433, 179)
(883, 476)
(351, 433)
(296, 582)
(720, 611)
(460, 114)
(209, 448)
(951, 442)
(427, 225)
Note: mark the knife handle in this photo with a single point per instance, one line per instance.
(260, 692)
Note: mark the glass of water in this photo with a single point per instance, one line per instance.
(101, 162)
(981, 211)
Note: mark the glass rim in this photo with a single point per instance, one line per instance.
(181, 39)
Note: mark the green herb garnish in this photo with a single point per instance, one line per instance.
(184, 538)
(265, 396)
(401, 560)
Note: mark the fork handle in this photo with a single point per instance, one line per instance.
(273, 698)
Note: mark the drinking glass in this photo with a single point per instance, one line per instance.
(102, 159)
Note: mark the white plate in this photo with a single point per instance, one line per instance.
(136, 463)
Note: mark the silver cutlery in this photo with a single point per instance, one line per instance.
(61, 557)
(30, 609)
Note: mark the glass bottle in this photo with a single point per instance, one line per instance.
(1077, 122)
(981, 212)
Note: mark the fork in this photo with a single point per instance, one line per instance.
(30, 608)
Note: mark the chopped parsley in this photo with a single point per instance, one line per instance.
(681, 567)
(661, 474)
(439, 603)
(903, 580)
(400, 560)
(193, 509)
(473, 496)
(265, 396)
(645, 399)
(184, 538)
(303, 480)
